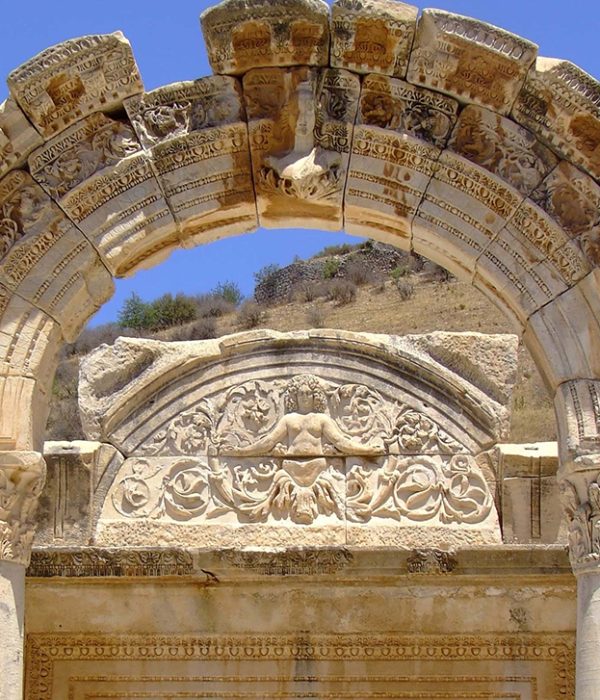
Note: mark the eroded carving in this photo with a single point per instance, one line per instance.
(81, 151)
(581, 500)
(560, 103)
(469, 59)
(179, 109)
(21, 480)
(372, 36)
(572, 199)
(398, 106)
(503, 148)
(240, 36)
(300, 125)
(71, 80)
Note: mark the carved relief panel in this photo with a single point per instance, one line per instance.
(294, 453)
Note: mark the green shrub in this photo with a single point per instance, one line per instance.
(228, 291)
(400, 271)
(330, 268)
(266, 273)
(136, 314)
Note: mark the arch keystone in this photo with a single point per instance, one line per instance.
(75, 78)
(300, 123)
(242, 35)
(470, 60)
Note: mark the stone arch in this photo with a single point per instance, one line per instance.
(437, 133)
(412, 142)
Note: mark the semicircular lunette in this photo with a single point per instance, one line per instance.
(301, 436)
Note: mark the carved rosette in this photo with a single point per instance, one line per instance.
(22, 477)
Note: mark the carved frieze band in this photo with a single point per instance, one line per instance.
(21, 480)
(552, 655)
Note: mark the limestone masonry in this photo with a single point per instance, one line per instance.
(317, 514)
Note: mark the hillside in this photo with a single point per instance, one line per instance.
(413, 303)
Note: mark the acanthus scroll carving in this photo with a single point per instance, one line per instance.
(584, 521)
(22, 476)
(300, 450)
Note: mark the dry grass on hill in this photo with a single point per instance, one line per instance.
(449, 306)
(435, 305)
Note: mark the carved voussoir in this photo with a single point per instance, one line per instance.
(531, 261)
(46, 259)
(240, 36)
(504, 148)
(122, 211)
(577, 404)
(29, 338)
(68, 81)
(564, 337)
(560, 103)
(469, 60)
(179, 109)
(572, 199)
(21, 480)
(398, 106)
(17, 137)
(372, 36)
(300, 122)
(387, 177)
(104, 181)
(207, 180)
(463, 209)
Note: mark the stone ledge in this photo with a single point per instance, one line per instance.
(228, 565)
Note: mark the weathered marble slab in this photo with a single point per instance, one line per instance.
(300, 124)
(398, 106)
(563, 336)
(502, 147)
(372, 36)
(387, 178)
(469, 60)
(105, 183)
(207, 180)
(71, 80)
(577, 404)
(560, 103)
(240, 36)
(17, 137)
(463, 209)
(45, 259)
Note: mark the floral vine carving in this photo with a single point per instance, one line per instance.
(300, 450)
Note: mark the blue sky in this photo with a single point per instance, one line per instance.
(168, 45)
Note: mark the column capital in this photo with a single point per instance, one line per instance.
(580, 494)
(22, 477)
